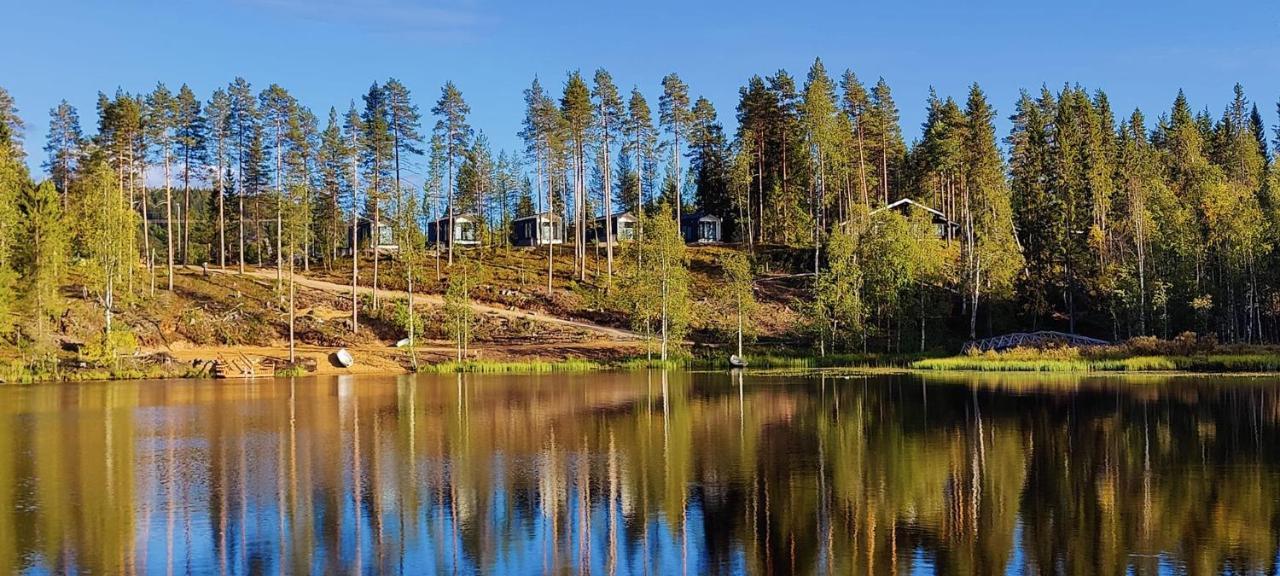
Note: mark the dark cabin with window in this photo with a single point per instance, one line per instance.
(386, 243)
(944, 228)
(460, 230)
(537, 230)
(700, 228)
(623, 224)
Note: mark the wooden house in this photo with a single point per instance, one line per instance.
(459, 230)
(537, 230)
(943, 227)
(701, 228)
(623, 224)
(385, 241)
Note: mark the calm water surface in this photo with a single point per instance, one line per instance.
(643, 473)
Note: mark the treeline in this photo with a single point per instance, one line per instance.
(1080, 221)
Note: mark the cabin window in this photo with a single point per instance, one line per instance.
(384, 236)
(549, 232)
(626, 230)
(465, 231)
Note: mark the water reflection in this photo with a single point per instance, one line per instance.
(642, 473)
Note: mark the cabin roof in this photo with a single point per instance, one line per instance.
(467, 216)
(617, 215)
(541, 215)
(700, 216)
(908, 203)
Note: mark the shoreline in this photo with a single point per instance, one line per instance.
(181, 362)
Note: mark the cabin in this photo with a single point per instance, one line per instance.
(458, 230)
(943, 227)
(623, 224)
(541, 229)
(386, 243)
(700, 228)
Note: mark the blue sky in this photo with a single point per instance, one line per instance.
(327, 52)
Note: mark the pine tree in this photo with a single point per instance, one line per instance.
(451, 125)
(243, 123)
(161, 124)
(277, 106)
(885, 138)
(11, 127)
(63, 147)
(609, 112)
(404, 123)
(642, 143)
(541, 133)
(855, 103)
(191, 132)
(576, 110)
(675, 116)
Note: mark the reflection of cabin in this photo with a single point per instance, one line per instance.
(386, 240)
(465, 230)
(700, 228)
(941, 225)
(537, 230)
(623, 224)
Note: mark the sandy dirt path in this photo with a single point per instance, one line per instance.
(436, 300)
(380, 359)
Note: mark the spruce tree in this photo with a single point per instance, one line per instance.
(218, 112)
(41, 258)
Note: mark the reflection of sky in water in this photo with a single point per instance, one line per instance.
(586, 474)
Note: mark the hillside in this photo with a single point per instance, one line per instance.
(214, 314)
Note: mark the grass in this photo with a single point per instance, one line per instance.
(1070, 360)
(522, 367)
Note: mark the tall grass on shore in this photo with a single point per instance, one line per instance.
(1071, 360)
(523, 367)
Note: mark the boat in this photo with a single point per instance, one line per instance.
(344, 358)
(737, 361)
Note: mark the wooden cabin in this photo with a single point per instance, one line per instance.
(385, 244)
(460, 230)
(537, 230)
(943, 227)
(623, 224)
(701, 228)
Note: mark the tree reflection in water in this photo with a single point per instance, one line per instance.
(643, 473)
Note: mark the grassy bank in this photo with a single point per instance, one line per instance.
(1020, 361)
(707, 362)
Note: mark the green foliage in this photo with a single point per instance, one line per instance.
(838, 312)
(460, 317)
(41, 257)
(655, 285)
(736, 296)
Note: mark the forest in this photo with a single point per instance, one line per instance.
(1084, 219)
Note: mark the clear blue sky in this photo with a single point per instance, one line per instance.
(327, 52)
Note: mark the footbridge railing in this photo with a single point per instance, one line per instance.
(1041, 339)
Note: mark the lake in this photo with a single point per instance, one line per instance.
(643, 473)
